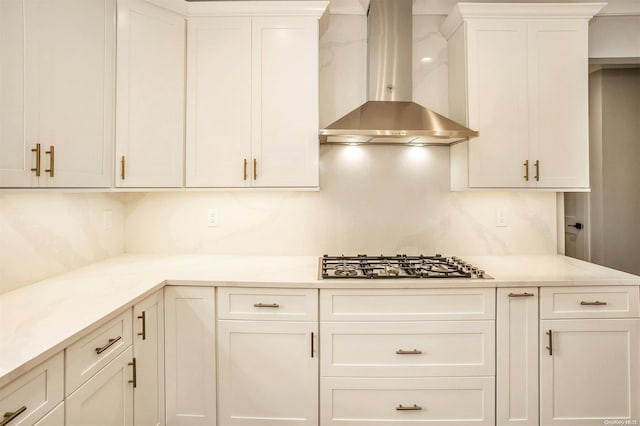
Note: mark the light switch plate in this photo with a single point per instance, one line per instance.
(501, 217)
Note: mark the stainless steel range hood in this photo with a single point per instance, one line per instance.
(391, 116)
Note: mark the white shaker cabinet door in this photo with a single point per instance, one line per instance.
(558, 103)
(219, 102)
(106, 399)
(517, 356)
(268, 373)
(589, 371)
(284, 138)
(16, 158)
(497, 96)
(190, 356)
(148, 350)
(150, 96)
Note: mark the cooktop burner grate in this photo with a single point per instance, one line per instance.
(396, 267)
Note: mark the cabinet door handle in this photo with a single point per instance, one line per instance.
(550, 347)
(51, 170)
(9, 415)
(143, 317)
(255, 169)
(37, 151)
(537, 176)
(134, 381)
(108, 345)
(521, 294)
(413, 407)
(123, 164)
(313, 349)
(526, 170)
(245, 169)
(596, 303)
(266, 305)
(411, 352)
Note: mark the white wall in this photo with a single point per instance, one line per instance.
(372, 199)
(44, 234)
(614, 37)
(615, 152)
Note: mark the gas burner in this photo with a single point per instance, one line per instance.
(345, 270)
(398, 266)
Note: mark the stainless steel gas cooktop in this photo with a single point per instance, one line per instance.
(397, 267)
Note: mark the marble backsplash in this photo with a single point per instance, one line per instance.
(48, 233)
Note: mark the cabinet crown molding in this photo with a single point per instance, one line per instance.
(466, 11)
(312, 9)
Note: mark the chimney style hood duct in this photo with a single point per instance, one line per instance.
(391, 116)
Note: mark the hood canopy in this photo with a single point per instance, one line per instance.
(390, 116)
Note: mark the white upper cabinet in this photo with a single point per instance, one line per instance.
(518, 74)
(57, 92)
(150, 96)
(252, 95)
(219, 102)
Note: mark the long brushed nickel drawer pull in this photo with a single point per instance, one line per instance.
(266, 305)
(255, 169)
(245, 169)
(52, 161)
(550, 347)
(526, 170)
(537, 176)
(9, 416)
(521, 294)
(596, 303)
(134, 381)
(38, 166)
(411, 352)
(143, 317)
(413, 407)
(108, 345)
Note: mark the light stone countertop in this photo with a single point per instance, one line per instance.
(39, 320)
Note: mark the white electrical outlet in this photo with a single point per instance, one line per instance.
(501, 217)
(212, 218)
(107, 220)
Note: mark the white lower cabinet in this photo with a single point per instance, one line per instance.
(517, 356)
(27, 400)
(451, 401)
(106, 399)
(267, 373)
(54, 418)
(148, 353)
(190, 356)
(589, 371)
(420, 357)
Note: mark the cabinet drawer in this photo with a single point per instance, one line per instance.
(54, 418)
(380, 401)
(89, 354)
(34, 394)
(589, 302)
(408, 349)
(407, 305)
(268, 304)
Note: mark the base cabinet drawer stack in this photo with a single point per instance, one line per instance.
(35, 398)
(99, 376)
(267, 357)
(589, 355)
(422, 357)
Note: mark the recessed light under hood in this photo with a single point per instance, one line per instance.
(391, 117)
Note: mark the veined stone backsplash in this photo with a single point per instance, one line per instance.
(372, 200)
(48, 233)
